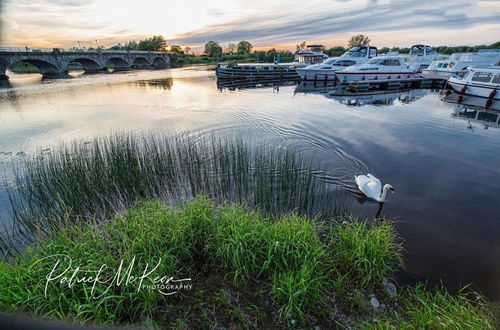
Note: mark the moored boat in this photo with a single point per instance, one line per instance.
(457, 64)
(256, 70)
(313, 54)
(378, 68)
(326, 70)
(478, 82)
(421, 56)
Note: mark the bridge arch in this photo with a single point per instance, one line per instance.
(141, 63)
(118, 64)
(41, 65)
(159, 62)
(87, 64)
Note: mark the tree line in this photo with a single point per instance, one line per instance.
(243, 50)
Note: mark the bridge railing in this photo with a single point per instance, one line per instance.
(74, 50)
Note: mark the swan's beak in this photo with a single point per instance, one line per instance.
(392, 190)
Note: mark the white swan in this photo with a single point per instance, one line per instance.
(372, 188)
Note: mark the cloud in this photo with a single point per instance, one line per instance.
(332, 21)
(59, 23)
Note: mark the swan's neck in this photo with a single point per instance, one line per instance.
(383, 197)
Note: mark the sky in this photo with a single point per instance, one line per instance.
(278, 23)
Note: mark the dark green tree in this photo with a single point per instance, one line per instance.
(244, 47)
(384, 50)
(176, 49)
(335, 51)
(155, 43)
(358, 40)
(212, 49)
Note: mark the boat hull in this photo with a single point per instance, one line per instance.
(316, 74)
(444, 73)
(477, 90)
(347, 77)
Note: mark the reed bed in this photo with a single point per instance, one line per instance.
(96, 179)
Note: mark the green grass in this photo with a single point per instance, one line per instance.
(96, 179)
(438, 309)
(248, 270)
(365, 251)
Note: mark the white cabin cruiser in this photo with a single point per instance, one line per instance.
(421, 56)
(457, 64)
(479, 82)
(378, 68)
(311, 55)
(326, 70)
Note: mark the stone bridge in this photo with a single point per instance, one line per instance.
(57, 63)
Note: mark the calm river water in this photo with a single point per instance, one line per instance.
(446, 171)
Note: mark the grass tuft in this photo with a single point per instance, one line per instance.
(364, 252)
(438, 309)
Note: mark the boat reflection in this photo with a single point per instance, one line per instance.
(485, 118)
(241, 84)
(381, 98)
(477, 102)
(163, 84)
(329, 89)
(339, 94)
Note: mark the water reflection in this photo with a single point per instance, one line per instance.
(477, 117)
(446, 204)
(241, 84)
(339, 94)
(164, 84)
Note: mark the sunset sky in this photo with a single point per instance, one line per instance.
(278, 23)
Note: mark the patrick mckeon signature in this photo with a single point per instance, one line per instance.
(144, 276)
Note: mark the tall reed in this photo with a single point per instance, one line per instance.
(97, 179)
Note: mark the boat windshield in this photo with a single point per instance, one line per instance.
(384, 61)
(330, 61)
(420, 50)
(355, 52)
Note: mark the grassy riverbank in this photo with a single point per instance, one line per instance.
(247, 270)
(265, 242)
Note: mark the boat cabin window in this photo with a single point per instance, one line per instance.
(373, 52)
(345, 63)
(386, 62)
(482, 76)
(421, 50)
(417, 50)
(496, 80)
(355, 52)
(429, 50)
(445, 65)
(330, 61)
(440, 65)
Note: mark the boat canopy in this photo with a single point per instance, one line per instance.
(422, 50)
(360, 51)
